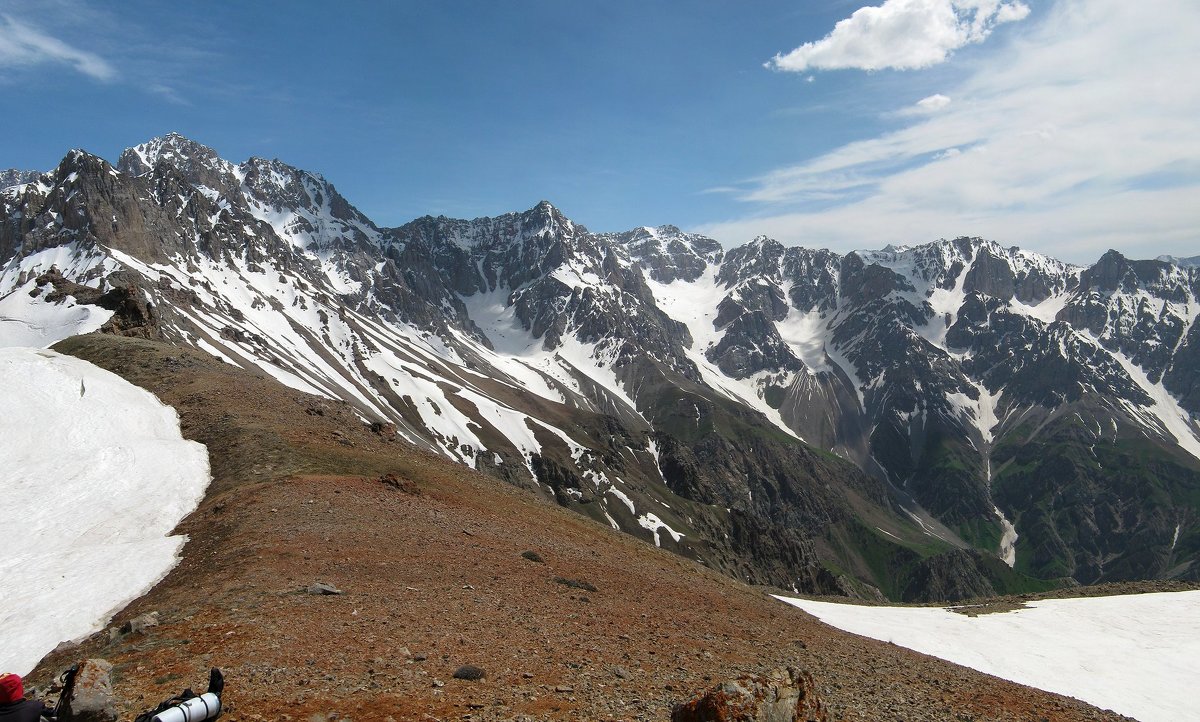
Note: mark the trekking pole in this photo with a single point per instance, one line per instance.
(68, 687)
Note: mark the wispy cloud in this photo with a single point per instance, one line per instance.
(901, 34)
(154, 52)
(1049, 143)
(23, 45)
(167, 93)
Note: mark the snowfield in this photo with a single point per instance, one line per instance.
(95, 475)
(27, 320)
(1133, 654)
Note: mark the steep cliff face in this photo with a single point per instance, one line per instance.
(791, 416)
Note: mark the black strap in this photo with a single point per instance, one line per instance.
(68, 688)
(216, 684)
(166, 705)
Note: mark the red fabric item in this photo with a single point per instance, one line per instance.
(12, 689)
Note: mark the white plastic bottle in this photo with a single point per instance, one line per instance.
(206, 706)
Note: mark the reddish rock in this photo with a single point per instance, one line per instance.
(786, 694)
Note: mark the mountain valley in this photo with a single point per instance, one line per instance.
(943, 421)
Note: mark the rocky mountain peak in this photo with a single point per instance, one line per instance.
(198, 163)
(814, 277)
(1189, 262)
(546, 220)
(303, 206)
(864, 279)
(543, 223)
(1107, 274)
(489, 234)
(265, 167)
(667, 253)
(280, 185)
(1114, 272)
(79, 162)
(937, 264)
(760, 258)
(506, 251)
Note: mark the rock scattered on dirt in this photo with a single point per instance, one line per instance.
(786, 694)
(576, 584)
(469, 672)
(139, 624)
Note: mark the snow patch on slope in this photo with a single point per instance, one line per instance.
(1046, 311)
(26, 320)
(1165, 409)
(946, 303)
(651, 522)
(694, 304)
(96, 475)
(1008, 538)
(524, 358)
(269, 306)
(808, 336)
(980, 411)
(1133, 654)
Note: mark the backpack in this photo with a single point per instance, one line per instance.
(216, 684)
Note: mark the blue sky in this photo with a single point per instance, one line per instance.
(1039, 123)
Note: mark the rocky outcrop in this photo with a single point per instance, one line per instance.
(786, 694)
(89, 696)
(752, 344)
(990, 275)
(949, 576)
(132, 315)
(1183, 375)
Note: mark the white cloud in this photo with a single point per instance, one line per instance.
(902, 34)
(1011, 12)
(1070, 139)
(933, 103)
(22, 45)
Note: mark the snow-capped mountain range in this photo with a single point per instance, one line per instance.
(947, 419)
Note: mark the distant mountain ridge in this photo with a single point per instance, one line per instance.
(934, 421)
(14, 177)
(1190, 261)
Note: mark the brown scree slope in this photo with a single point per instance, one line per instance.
(433, 578)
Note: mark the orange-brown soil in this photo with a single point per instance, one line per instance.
(432, 578)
